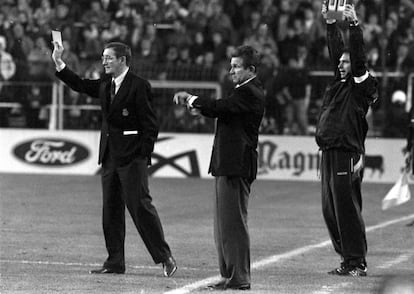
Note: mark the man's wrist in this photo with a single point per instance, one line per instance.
(331, 21)
(353, 23)
(60, 65)
(191, 99)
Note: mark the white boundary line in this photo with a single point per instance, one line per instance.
(401, 258)
(42, 262)
(278, 257)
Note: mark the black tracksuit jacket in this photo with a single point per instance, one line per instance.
(342, 124)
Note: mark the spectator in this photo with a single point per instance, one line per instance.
(374, 58)
(137, 31)
(172, 56)
(184, 57)
(153, 13)
(40, 53)
(124, 35)
(146, 24)
(111, 32)
(20, 47)
(179, 36)
(261, 37)
(157, 46)
(71, 58)
(288, 46)
(91, 45)
(198, 48)
(125, 13)
(372, 29)
(63, 17)
(146, 53)
(397, 117)
(269, 13)
(109, 6)
(402, 62)
(34, 103)
(44, 14)
(251, 26)
(276, 101)
(197, 19)
(7, 64)
(218, 20)
(299, 89)
(219, 47)
(313, 29)
(240, 12)
(268, 63)
(285, 13)
(174, 11)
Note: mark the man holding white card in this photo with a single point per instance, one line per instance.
(128, 133)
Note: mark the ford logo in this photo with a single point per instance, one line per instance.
(51, 152)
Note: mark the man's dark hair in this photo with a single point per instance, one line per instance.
(346, 50)
(249, 55)
(120, 50)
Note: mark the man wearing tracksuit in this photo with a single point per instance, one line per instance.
(341, 132)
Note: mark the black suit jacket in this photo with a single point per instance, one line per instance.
(236, 137)
(129, 125)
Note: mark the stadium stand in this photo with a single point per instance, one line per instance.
(192, 40)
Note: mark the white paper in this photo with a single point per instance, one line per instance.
(57, 37)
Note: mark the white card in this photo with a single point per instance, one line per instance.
(57, 37)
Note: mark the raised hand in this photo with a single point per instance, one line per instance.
(349, 13)
(57, 52)
(324, 12)
(181, 98)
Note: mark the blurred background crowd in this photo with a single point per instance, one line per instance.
(192, 40)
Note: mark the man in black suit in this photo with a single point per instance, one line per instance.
(233, 163)
(129, 130)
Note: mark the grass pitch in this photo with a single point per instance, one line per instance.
(51, 236)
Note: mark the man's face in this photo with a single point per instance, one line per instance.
(112, 65)
(238, 73)
(344, 65)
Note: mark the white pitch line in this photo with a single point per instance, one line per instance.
(278, 257)
(401, 258)
(43, 262)
(332, 289)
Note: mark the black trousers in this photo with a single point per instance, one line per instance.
(128, 185)
(230, 229)
(342, 203)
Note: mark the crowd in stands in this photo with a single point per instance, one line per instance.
(193, 40)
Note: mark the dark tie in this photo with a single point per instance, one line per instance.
(112, 91)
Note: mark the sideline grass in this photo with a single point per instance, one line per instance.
(51, 236)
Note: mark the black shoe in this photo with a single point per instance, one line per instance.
(223, 285)
(239, 287)
(219, 286)
(341, 270)
(350, 270)
(104, 270)
(169, 266)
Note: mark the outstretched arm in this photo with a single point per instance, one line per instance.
(356, 43)
(89, 87)
(334, 38)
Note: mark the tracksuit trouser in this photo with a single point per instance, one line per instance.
(341, 173)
